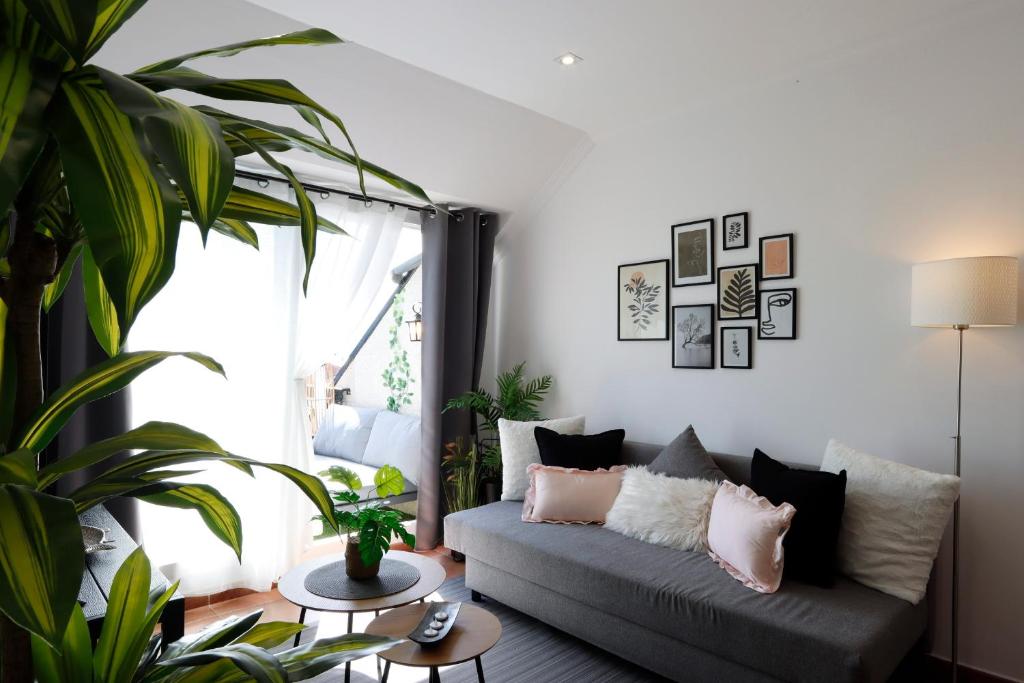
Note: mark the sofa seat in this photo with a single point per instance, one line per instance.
(800, 633)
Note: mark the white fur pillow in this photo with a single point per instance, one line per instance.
(893, 521)
(664, 510)
(519, 450)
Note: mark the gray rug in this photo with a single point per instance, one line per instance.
(528, 651)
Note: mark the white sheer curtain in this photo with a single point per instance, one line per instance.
(245, 308)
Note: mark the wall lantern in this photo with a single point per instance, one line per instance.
(416, 324)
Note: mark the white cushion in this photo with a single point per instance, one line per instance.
(344, 432)
(663, 510)
(519, 450)
(395, 440)
(893, 520)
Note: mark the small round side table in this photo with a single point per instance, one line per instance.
(475, 632)
(293, 589)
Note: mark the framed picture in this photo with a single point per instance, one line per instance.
(736, 347)
(734, 231)
(778, 314)
(737, 292)
(693, 253)
(777, 257)
(693, 336)
(643, 301)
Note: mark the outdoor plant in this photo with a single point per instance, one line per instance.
(235, 649)
(370, 524)
(517, 399)
(397, 375)
(461, 466)
(101, 169)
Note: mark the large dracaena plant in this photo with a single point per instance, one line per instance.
(101, 169)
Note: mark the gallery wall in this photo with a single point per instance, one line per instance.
(909, 151)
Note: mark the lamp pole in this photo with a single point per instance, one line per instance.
(956, 504)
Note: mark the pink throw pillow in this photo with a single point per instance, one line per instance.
(745, 536)
(570, 496)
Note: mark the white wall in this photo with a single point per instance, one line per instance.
(910, 151)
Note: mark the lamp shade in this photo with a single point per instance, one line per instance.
(979, 291)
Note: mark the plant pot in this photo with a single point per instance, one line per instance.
(491, 491)
(354, 565)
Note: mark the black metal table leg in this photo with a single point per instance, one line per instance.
(479, 670)
(348, 665)
(302, 620)
(387, 670)
(435, 677)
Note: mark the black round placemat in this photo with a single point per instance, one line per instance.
(331, 581)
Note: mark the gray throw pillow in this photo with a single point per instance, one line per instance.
(686, 458)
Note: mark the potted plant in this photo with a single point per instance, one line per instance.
(461, 466)
(370, 526)
(102, 169)
(517, 399)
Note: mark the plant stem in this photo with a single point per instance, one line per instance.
(33, 261)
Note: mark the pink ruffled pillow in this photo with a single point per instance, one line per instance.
(570, 496)
(745, 536)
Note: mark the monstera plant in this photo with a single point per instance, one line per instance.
(103, 170)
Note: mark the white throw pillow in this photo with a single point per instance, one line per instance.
(344, 432)
(395, 440)
(519, 450)
(893, 520)
(663, 510)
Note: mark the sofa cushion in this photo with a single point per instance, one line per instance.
(395, 440)
(519, 450)
(344, 432)
(800, 633)
(580, 451)
(687, 458)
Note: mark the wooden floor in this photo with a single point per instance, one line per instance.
(202, 612)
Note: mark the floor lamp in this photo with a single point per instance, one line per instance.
(959, 294)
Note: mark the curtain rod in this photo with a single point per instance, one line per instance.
(251, 175)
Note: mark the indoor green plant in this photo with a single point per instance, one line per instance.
(101, 168)
(370, 525)
(461, 467)
(517, 399)
(235, 649)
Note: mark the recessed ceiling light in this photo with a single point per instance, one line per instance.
(568, 59)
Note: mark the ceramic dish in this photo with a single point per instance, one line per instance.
(437, 621)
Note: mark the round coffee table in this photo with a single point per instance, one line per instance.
(475, 632)
(293, 589)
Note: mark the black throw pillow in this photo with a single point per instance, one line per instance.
(584, 452)
(819, 497)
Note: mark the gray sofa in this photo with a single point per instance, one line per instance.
(678, 613)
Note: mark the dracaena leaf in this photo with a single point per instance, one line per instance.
(19, 467)
(99, 308)
(54, 290)
(216, 511)
(312, 659)
(41, 561)
(69, 22)
(96, 382)
(218, 634)
(248, 205)
(111, 14)
(258, 664)
(128, 207)
(72, 661)
(310, 36)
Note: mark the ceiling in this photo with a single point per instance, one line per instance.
(641, 58)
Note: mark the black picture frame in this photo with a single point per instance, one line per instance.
(708, 225)
(725, 231)
(663, 295)
(766, 314)
(790, 238)
(723, 347)
(708, 311)
(744, 315)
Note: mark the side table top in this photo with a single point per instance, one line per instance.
(292, 585)
(475, 632)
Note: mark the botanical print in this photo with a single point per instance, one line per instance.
(693, 336)
(778, 314)
(643, 300)
(693, 253)
(737, 292)
(777, 257)
(734, 231)
(736, 347)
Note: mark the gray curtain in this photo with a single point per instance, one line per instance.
(69, 348)
(458, 250)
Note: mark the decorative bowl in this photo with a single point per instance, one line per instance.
(438, 628)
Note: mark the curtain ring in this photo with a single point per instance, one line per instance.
(459, 217)
(391, 206)
(367, 202)
(324, 194)
(263, 182)
(432, 212)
